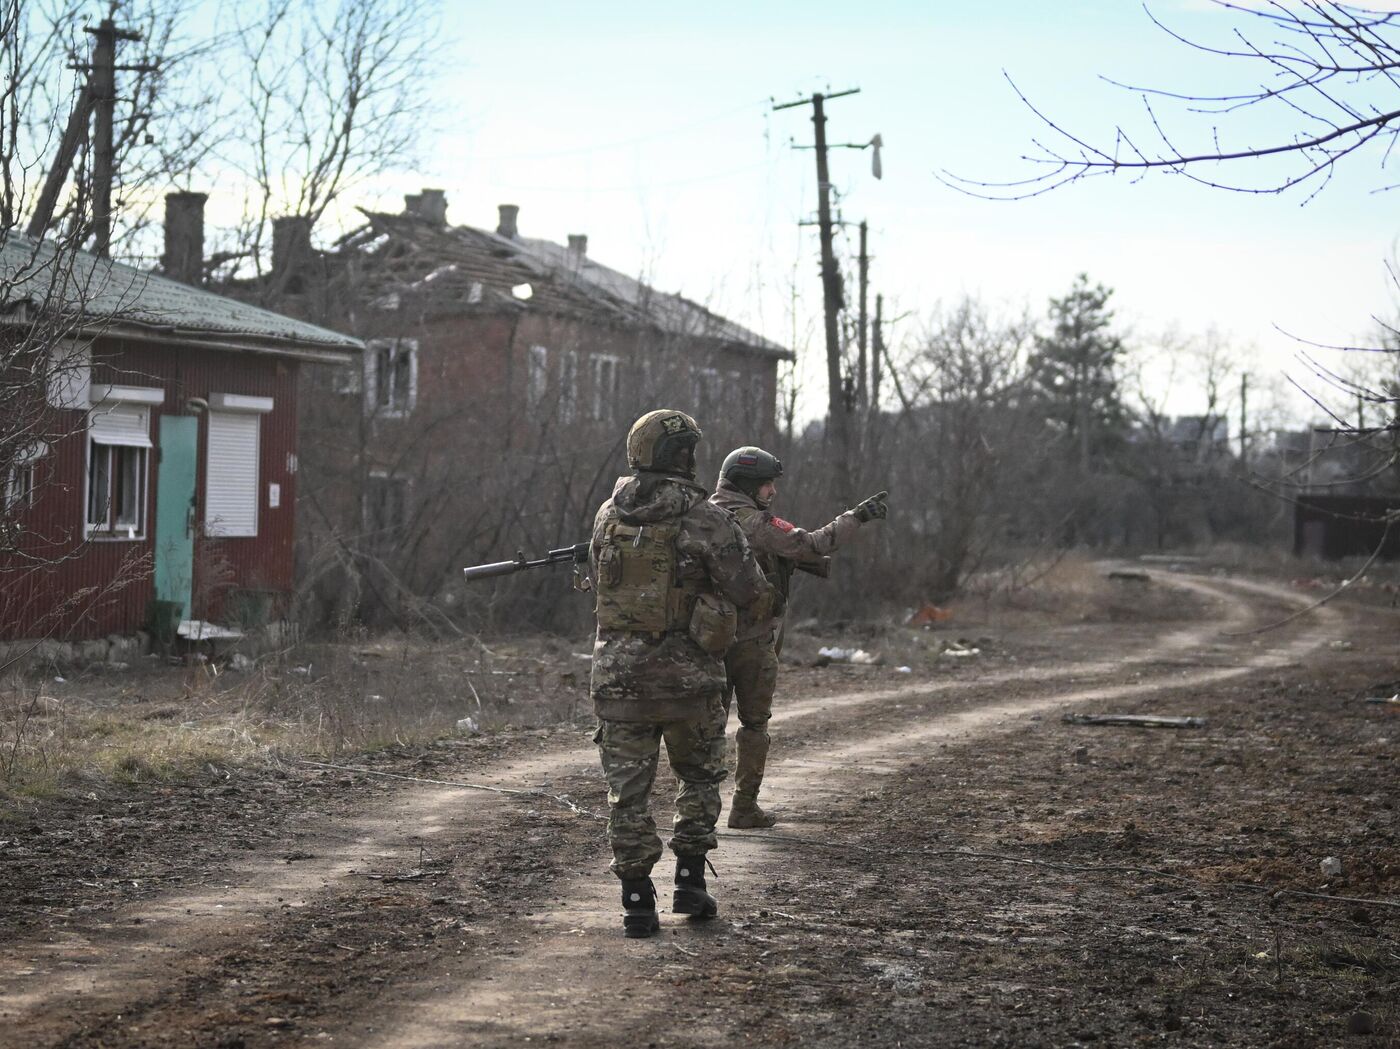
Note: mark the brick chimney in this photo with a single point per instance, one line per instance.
(506, 227)
(430, 204)
(291, 250)
(184, 237)
(578, 246)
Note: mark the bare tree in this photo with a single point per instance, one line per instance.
(963, 425)
(164, 122)
(1326, 69)
(328, 100)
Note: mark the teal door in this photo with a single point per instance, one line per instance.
(174, 535)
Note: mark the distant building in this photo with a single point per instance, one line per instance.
(501, 373)
(160, 484)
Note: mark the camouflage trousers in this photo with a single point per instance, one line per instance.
(630, 751)
(752, 669)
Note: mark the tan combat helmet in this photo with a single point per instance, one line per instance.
(658, 440)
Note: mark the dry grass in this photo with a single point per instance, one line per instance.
(160, 722)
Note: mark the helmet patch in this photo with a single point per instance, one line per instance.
(674, 424)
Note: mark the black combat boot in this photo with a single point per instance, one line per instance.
(639, 918)
(691, 897)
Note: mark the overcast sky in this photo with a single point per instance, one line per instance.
(649, 128)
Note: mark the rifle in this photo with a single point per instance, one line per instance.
(565, 555)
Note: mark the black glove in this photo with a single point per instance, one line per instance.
(873, 509)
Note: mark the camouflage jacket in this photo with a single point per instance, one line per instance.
(640, 677)
(780, 547)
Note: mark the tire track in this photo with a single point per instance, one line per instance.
(96, 966)
(565, 982)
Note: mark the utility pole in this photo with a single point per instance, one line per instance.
(96, 101)
(877, 352)
(862, 360)
(103, 90)
(837, 417)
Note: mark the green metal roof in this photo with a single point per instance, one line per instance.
(124, 300)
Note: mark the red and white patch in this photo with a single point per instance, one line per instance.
(778, 522)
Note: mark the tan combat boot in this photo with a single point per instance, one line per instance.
(750, 759)
(745, 814)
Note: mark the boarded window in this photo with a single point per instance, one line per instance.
(391, 377)
(119, 444)
(69, 376)
(231, 476)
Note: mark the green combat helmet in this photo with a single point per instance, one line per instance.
(663, 441)
(751, 464)
(749, 469)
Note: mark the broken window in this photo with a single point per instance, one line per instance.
(118, 446)
(386, 509)
(537, 377)
(707, 389)
(607, 387)
(391, 377)
(568, 386)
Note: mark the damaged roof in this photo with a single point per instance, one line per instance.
(126, 300)
(452, 268)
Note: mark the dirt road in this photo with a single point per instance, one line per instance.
(956, 866)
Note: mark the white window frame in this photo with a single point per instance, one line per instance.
(385, 383)
(607, 386)
(118, 449)
(22, 479)
(233, 499)
(537, 375)
(69, 379)
(568, 386)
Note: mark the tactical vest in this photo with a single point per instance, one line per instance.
(639, 584)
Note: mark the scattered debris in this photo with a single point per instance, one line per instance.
(1140, 720)
(960, 650)
(1341, 646)
(928, 614)
(904, 670)
(1081, 755)
(832, 654)
(1395, 699)
(1130, 577)
(469, 726)
(199, 630)
(582, 655)
(414, 874)
(1331, 867)
(240, 663)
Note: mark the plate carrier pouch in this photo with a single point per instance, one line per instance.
(638, 586)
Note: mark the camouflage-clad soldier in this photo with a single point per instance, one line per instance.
(747, 484)
(669, 568)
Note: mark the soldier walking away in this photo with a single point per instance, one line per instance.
(669, 568)
(747, 484)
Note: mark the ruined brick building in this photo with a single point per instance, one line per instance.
(500, 377)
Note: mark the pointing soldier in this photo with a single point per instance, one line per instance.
(669, 567)
(747, 485)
